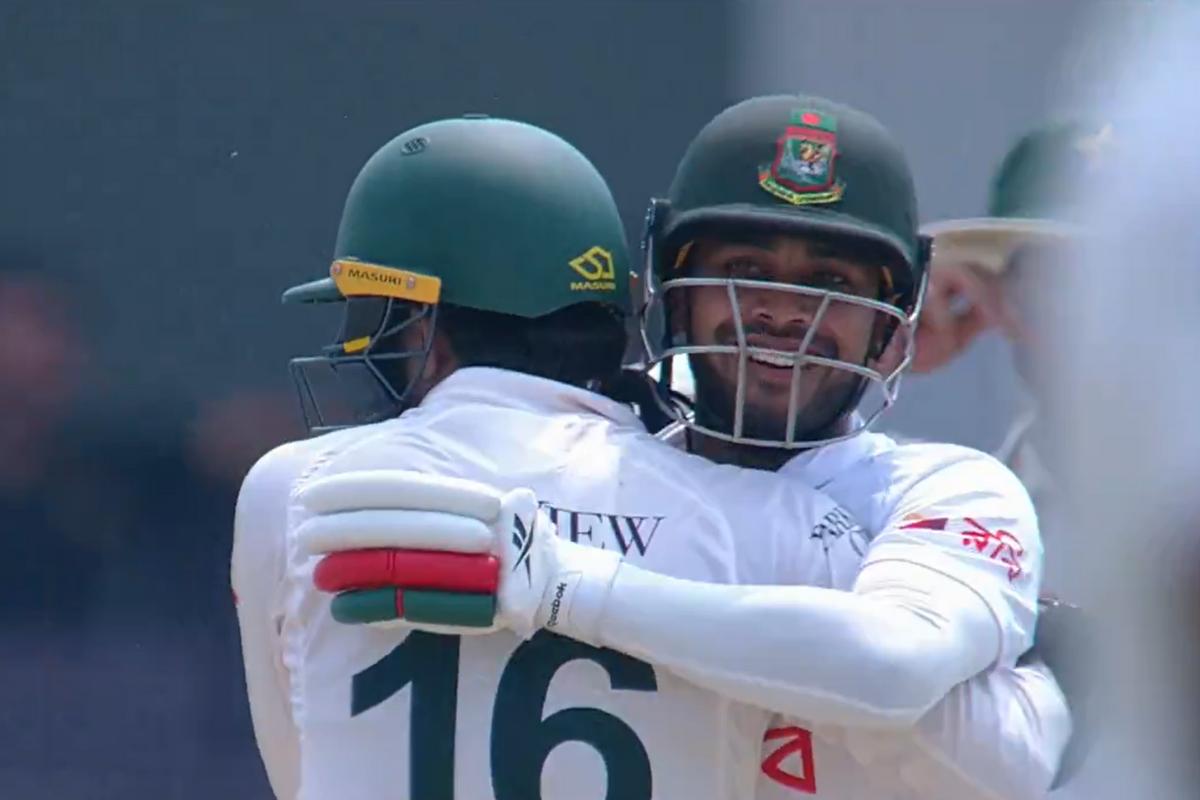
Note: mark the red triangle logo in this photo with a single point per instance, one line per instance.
(791, 764)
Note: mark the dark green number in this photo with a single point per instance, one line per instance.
(520, 740)
(430, 663)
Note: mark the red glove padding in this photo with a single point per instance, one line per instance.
(408, 569)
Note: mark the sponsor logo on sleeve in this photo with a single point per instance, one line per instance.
(998, 545)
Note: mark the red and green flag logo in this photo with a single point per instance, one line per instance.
(805, 155)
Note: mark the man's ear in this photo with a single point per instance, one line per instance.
(678, 317)
(893, 353)
(442, 360)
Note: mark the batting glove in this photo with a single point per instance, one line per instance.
(449, 555)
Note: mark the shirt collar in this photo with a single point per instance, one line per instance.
(508, 389)
(821, 465)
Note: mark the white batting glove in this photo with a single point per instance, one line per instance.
(545, 581)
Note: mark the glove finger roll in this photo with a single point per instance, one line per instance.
(400, 489)
(408, 569)
(410, 530)
(416, 606)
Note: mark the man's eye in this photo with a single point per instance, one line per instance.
(832, 280)
(749, 270)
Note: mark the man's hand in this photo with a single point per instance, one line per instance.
(447, 554)
(961, 301)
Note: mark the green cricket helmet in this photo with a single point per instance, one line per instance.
(480, 213)
(797, 165)
(1030, 200)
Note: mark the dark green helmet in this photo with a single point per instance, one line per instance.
(1030, 197)
(798, 165)
(504, 216)
(487, 214)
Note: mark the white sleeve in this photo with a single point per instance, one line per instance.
(257, 573)
(972, 522)
(947, 590)
(1004, 731)
(879, 656)
(1001, 735)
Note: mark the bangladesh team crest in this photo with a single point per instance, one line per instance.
(803, 171)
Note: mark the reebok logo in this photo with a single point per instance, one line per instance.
(522, 539)
(556, 604)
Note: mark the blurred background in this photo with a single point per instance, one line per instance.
(167, 169)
